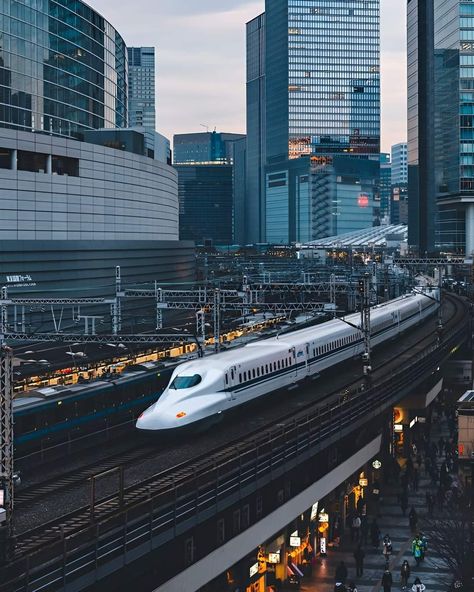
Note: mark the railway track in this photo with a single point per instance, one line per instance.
(180, 472)
(65, 548)
(79, 478)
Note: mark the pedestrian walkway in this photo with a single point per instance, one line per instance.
(391, 521)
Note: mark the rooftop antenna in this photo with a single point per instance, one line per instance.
(206, 126)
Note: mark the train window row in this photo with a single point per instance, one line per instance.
(66, 410)
(327, 347)
(259, 371)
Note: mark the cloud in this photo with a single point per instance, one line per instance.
(201, 60)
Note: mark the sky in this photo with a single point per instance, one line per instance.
(200, 55)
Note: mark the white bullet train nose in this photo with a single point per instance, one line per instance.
(146, 421)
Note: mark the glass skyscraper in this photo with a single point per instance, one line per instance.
(141, 87)
(63, 68)
(323, 80)
(313, 94)
(441, 125)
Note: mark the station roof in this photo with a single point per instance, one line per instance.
(376, 236)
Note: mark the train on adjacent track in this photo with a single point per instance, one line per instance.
(49, 416)
(201, 392)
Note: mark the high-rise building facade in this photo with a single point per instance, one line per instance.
(141, 82)
(400, 164)
(313, 93)
(421, 186)
(441, 122)
(63, 69)
(254, 207)
(322, 77)
(385, 187)
(211, 184)
(79, 193)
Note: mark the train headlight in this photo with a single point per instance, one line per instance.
(181, 414)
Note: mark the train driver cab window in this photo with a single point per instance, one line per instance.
(184, 382)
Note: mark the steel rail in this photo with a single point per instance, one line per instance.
(188, 492)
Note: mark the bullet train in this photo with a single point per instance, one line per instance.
(201, 391)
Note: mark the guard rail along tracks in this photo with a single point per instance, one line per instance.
(84, 544)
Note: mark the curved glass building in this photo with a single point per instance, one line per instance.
(63, 68)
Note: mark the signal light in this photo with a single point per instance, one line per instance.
(181, 414)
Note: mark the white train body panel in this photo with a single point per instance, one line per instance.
(203, 389)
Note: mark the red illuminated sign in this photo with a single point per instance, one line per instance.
(363, 200)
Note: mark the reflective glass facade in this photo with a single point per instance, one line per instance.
(256, 130)
(454, 118)
(323, 59)
(421, 187)
(205, 203)
(63, 68)
(441, 125)
(141, 87)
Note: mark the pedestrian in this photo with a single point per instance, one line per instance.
(427, 465)
(341, 572)
(405, 574)
(404, 481)
(424, 545)
(413, 519)
(355, 528)
(404, 502)
(359, 555)
(409, 469)
(387, 581)
(351, 587)
(418, 586)
(364, 530)
(339, 587)
(416, 480)
(387, 549)
(416, 549)
(375, 533)
(441, 445)
(429, 503)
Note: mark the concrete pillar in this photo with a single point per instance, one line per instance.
(49, 164)
(14, 160)
(469, 229)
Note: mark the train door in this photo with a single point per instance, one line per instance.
(301, 354)
(231, 383)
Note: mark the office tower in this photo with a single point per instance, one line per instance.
(209, 184)
(79, 193)
(204, 147)
(322, 77)
(141, 82)
(385, 187)
(399, 164)
(441, 120)
(254, 206)
(315, 96)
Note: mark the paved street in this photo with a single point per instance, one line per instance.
(431, 572)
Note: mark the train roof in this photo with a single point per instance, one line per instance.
(287, 340)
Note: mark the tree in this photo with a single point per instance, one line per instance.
(451, 537)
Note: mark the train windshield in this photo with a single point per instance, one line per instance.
(183, 382)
